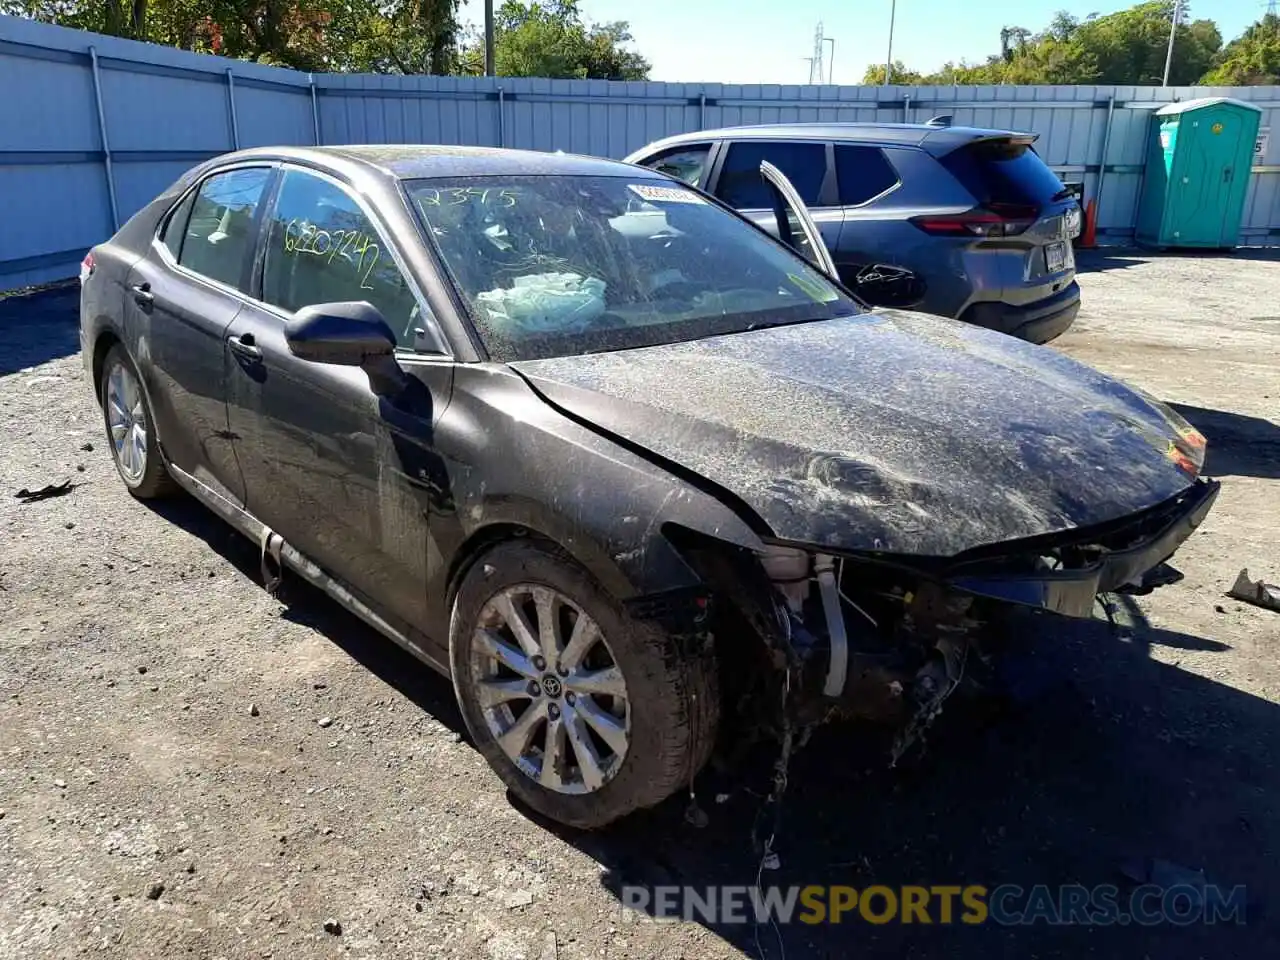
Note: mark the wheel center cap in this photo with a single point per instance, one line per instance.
(551, 685)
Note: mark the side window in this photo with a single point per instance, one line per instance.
(740, 184)
(176, 226)
(219, 234)
(684, 163)
(862, 173)
(321, 248)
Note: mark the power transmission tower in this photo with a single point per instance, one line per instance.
(816, 72)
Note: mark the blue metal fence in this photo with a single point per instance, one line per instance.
(91, 127)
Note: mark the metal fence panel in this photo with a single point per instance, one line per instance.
(67, 184)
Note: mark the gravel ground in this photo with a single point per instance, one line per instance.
(189, 767)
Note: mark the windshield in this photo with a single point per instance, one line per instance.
(557, 266)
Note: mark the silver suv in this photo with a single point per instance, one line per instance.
(955, 221)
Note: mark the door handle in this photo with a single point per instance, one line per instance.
(142, 294)
(245, 346)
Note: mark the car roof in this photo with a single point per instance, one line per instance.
(937, 138)
(413, 161)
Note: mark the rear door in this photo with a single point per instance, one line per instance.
(183, 296)
(1025, 215)
(807, 164)
(878, 254)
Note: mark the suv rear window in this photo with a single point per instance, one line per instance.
(862, 173)
(1004, 171)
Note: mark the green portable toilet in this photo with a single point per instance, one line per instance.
(1197, 173)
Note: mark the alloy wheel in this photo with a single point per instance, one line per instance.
(127, 422)
(550, 689)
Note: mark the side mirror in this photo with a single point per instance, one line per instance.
(352, 334)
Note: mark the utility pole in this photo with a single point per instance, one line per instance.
(888, 60)
(488, 38)
(831, 66)
(1173, 29)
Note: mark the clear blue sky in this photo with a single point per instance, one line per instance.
(765, 41)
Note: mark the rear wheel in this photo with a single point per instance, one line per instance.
(131, 430)
(585, 713)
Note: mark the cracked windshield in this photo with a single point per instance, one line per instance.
(556, 266)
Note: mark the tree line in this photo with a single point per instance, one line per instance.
(537, 38)
(551, 38)
(1124, 48)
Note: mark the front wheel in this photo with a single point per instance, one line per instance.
(585, 713)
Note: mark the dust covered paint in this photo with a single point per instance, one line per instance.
(888, 431)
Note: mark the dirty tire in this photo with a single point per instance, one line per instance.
(155, 481)
(674, 698)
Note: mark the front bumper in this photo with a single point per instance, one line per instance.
(1071, 592)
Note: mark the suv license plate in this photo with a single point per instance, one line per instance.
(1055, 257)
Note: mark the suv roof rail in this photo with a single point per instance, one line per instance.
(943, 120)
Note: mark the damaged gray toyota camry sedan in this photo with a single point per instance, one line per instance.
(634, 473)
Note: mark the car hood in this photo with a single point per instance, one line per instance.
(887, 431)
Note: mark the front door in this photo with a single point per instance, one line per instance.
(345, 475)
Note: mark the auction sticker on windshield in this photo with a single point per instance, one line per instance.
(659, 194)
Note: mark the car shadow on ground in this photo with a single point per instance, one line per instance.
(1239, 445)
(311, 607)
(1108, 759)
(1114, 759)
(1104, 259)
(38, 327)
(1101, 259)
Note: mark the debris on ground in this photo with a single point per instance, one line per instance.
(155, 890)
(326, 722)
(1256, 592)
(47, 492)
(519, 898)
(333, 926)
(253, 710)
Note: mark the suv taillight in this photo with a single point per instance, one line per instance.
(86, 267)
(993, 220)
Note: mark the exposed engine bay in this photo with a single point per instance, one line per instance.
(890, 639)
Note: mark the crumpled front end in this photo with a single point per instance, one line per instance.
(891, 637)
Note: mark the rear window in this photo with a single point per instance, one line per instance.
(862, 173)
(1004, 171)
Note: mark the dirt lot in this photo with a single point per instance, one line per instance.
(274, 764)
